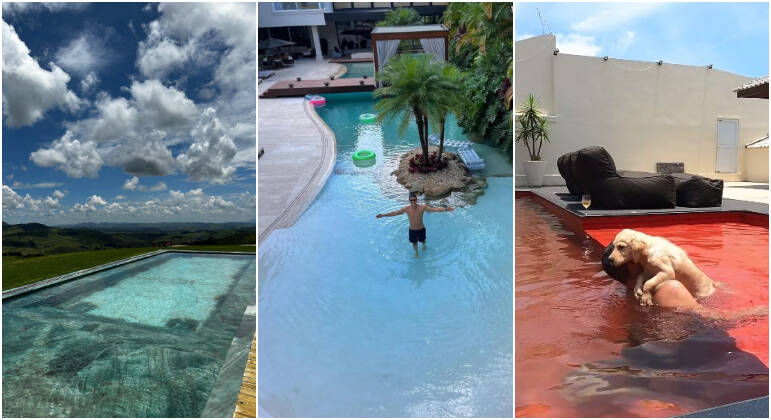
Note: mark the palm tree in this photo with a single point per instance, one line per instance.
(533, 127)
(400, 17)
(415, 87)
(450, 102)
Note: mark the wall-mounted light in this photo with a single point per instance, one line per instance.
(556, 51)
(605, 58)
(709, 66)
(660, 62)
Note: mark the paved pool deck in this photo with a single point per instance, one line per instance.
(299, 149)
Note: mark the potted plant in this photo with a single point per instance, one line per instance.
(532, 130)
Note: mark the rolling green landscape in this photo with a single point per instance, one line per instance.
(34, 252)
(35, 239)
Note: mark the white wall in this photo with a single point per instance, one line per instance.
(756, 164)
(269, 18)
(642, 113)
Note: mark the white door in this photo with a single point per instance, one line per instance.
(727, 146)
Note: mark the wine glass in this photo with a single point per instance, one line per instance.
(586, 201)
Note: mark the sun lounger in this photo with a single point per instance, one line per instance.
(470, 158)
(264, 74)
(433, 140)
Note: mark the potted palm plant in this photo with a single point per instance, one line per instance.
(533, 130)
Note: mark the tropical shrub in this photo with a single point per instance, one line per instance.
(401, 16)
(481, 47)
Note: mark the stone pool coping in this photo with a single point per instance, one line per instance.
(222, 399)
(316, 182)
(41, 284)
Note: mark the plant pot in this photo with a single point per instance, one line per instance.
(299, 79)
(361, 82)
(326, 83)
(291, 85)
(534, 170)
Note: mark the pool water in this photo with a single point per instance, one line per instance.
(603, 355)
(359, 70)
(352, 325)
(145, 339)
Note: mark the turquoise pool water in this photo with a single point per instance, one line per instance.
(146, 339)
(352, 325)
(359, 70)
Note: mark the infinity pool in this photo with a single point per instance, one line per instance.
(602, 354)
(352, 325)
(145, 339)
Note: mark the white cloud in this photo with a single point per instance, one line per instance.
(21, 185)
(209, 157)
(76, 159)
(183, 33)
(615, 15)
(519, 37)
(18, 8)
(164, 107)
(90, 81)
(28, 89)
(12, 200)
(150, 158)
(577, 44)
(161, 186)
(83, 55)
(59, 194)
(625, 40)
(33, 206)
(131, 183)
(96, 201)
(194, 205)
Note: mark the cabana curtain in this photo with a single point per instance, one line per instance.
(385, 50)
(434, 46)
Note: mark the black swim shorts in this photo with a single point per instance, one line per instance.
(418, 235)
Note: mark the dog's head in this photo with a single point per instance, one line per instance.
(626, 246)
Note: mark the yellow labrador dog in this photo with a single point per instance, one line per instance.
(660, 260)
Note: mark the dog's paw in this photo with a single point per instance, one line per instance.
(638, 292)
(646, 299)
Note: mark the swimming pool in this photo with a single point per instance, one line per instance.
(603, 355)
(144, 339)
(359, 70)
(352, 325)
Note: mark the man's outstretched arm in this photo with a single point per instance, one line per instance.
(437, 209)
(391, 213)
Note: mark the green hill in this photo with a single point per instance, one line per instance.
(35, 239)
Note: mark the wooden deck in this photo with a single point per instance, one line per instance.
(247, 398)
(351, 60)
(304, 87)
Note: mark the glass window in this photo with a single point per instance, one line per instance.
(421, 4)
(401, 4)
(282, 6)
(382, 4)
(341, 5)
(362, 5)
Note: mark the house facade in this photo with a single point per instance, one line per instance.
(325, 26)
(642, 112)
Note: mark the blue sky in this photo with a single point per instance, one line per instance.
(731, 36)
(128, 112)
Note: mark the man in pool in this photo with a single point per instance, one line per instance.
(415, 214)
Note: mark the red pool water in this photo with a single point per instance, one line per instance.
(585, 348)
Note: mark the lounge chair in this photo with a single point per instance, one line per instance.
(592, 171)
(470, 158)
(433, 140)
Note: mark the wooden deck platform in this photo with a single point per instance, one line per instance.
(247, 398)
(351, 60)
(304, 87)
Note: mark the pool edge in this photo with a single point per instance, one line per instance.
(321, 174)
(52, 281)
